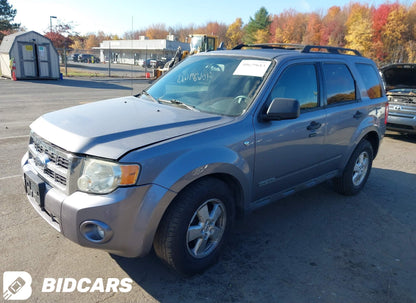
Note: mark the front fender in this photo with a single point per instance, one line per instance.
(199, 163)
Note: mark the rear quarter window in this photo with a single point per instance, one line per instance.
(370, 79)
(339, 83)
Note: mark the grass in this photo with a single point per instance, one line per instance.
(77, 73)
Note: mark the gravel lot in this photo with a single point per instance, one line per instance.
(315, 246)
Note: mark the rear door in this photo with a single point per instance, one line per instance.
(289, 152)
(345, 110)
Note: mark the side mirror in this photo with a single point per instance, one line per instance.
(283, 109)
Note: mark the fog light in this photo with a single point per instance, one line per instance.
(96, 231)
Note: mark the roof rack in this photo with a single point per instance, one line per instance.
(303, 48)
(271, 46)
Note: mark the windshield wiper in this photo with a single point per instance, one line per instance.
(148, 95)
(180, 103)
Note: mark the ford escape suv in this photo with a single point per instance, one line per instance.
(221, 134)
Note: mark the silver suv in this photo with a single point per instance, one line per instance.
(221, 134)
(400, 82)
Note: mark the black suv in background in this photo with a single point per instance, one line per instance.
(400, 82)
(87, 58)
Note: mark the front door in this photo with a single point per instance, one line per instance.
(289, 152)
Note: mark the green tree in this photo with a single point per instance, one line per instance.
(7, 14)
(261, 21)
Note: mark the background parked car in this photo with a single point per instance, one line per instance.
(87, 58)
(400, 82)
(75, 57)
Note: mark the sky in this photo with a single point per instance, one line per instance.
(118, 17)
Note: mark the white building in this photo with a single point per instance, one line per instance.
(136, 51)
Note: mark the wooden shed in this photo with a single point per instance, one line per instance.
(29, 55)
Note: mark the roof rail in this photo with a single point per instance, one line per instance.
(330, 49)
(271, 46)
(302, 48)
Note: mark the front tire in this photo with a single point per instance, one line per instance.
(192, 233)
(356, 172)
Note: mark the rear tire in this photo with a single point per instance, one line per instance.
(357, 170)
(192, 233)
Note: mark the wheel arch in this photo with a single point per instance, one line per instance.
(374, 140)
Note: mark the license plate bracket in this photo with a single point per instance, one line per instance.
(35, 187)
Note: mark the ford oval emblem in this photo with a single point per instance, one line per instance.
(42, 160)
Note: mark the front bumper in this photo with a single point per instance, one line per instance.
(402, 117)
(132, 214)
(401, 123)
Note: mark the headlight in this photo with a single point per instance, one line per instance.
(102, 177)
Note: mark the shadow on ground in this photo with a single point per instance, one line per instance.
(315, 246)
(402, 137)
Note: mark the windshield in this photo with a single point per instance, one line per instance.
(196, 44)
(219, 85)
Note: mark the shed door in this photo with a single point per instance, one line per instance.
(28, 59)
(43, 60)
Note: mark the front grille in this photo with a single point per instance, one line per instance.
(51, 162)
(404, 99)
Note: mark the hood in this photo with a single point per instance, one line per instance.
(114, 127)
(399, 76)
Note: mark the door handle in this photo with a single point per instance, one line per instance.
(358, 115)
(314, 125)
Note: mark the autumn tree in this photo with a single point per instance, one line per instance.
(234, 35)
(333, 27)
(157, 31)
(359, 29)
(393, 35)
(216, 29)
(293, 27)
(379, 20)
(7, 14)
(313, 29)
(261, 21)
(91, 41)
(61, 37)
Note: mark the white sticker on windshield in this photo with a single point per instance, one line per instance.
(255, 68)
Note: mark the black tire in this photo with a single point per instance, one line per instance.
(192, 233)
(356, 172)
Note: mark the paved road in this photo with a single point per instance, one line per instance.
(315, 246)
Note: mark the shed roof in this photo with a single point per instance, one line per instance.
(8, 40)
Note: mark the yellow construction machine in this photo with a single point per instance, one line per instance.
(198, 43)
